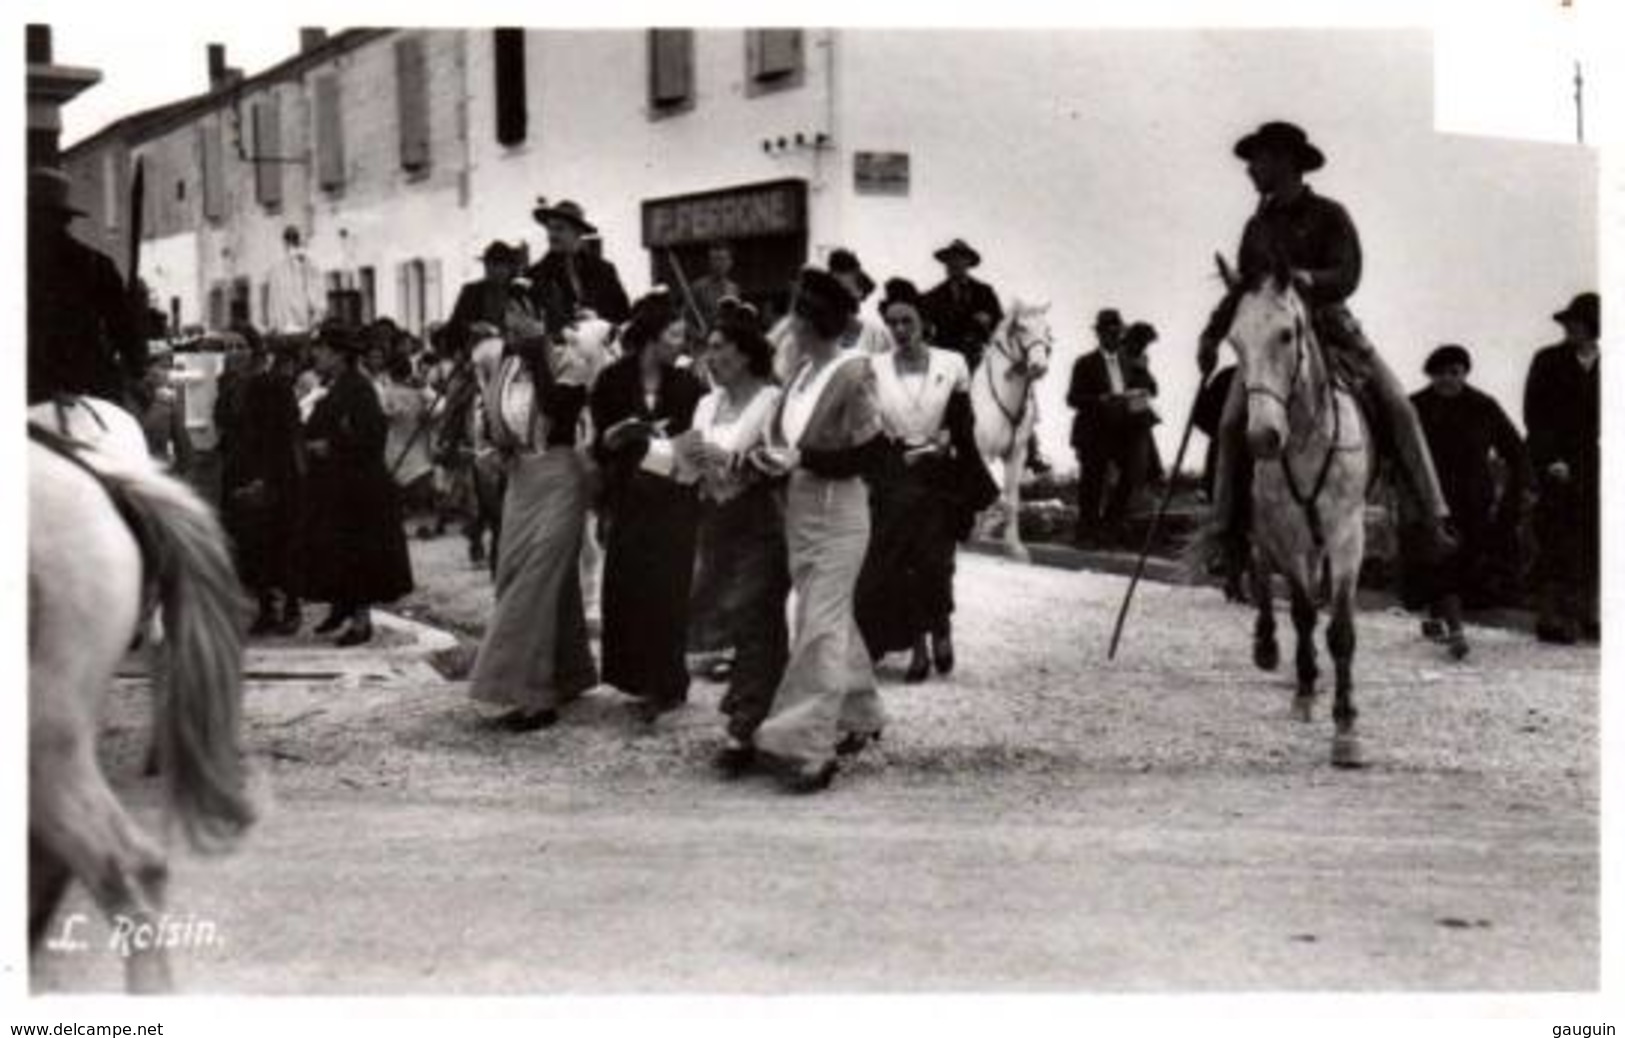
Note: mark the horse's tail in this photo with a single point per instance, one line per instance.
(198, 713)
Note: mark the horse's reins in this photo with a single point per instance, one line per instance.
(1017, 364)
(1307, 502)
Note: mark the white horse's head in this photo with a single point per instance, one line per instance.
(1026, 340)
(1270, 332)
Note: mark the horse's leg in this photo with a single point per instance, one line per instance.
(1303, 622)
(1455, 634)
(1014, 466)
(1340, 641)
(1266, 650)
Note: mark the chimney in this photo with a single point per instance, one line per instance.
(39, 44)
(310, 38)
(217, 65)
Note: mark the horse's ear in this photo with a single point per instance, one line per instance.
(1226, 272)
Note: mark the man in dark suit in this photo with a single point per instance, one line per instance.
(571, 279)
(962, 310)
(1112, 398)
(494, 305)
(84, 331)
(1561, 414)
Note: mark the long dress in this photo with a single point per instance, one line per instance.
(535, 653)
(742, 537)
(906, 589)
(828, 688)
(355, 545)
(650, 525)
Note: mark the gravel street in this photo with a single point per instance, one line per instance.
(1044, 821)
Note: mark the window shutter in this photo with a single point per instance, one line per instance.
(329, 135)
(412, 96)
(403, 294)
(509, 46)
(777, 54)
(671, 67)
(212, 147)
(267, 152)
(431, 294)
(111, 196)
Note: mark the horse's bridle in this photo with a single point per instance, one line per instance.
(1019, 364)
(1300, 342)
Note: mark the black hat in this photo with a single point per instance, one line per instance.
(844, 261)
(340, 336)
(501, 252)
(1281, 136)
(1139, 335)
(568, 211)
(1448, 355)
(957, 247)
(1585, 307)
(900, 291)
(1108, 318)
(48, 191)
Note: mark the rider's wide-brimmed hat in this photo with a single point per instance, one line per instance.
(568, 211)
(957, 247)
(48, 191)
(1447, 356)
(1585, 308)
(1282, 137)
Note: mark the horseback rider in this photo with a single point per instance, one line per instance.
(84, 331)
(571, 281)
(1317, 239)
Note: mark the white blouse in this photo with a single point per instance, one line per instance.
(913, 405)
(802, 395)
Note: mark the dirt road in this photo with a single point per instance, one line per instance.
(1044, 821)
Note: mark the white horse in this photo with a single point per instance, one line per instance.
(1001, 393)
(107, 535)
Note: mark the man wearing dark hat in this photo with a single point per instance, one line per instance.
(716, 284)
(494, 305)
(962, 310)
(570, 280)
(84, 329)
(1561, 414)
(1470, 436)
(1112, 399)
(1318, 241)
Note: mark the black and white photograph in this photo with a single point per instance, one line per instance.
(539, 508)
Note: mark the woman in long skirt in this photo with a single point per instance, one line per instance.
(742, 523)
(355, 545)
(906, 593)
(638, 404)
(825, 437)
(535, 658)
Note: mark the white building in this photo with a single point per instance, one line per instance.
(1091, 169)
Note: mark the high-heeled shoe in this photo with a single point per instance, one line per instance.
(810, 778)
(355, 634)
(519, 720)
(735, 760)
(854, 743)
(942, 653)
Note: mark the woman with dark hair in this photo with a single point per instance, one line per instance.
(825, 437)
(906, 592)
(355, 546)
(535, 658)
(741, 523)
(639, 404)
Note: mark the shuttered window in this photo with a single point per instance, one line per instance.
(268, 153)
(412, 103)
(110, 190)
(773, 60)
(329, 135)
(212, 155)
(512, 117)
(671, 69)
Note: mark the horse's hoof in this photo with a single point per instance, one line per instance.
(1266, 655)
(1303, 708)
(1346, 752)
(1459, 647)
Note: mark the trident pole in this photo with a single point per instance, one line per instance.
(1156, 522)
